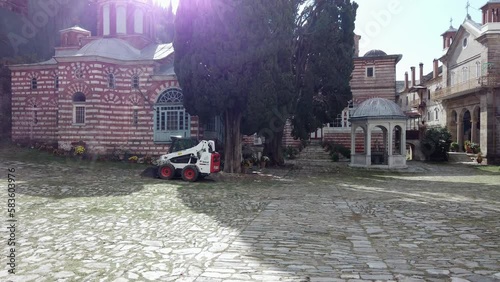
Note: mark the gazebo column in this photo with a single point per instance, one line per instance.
(368, 145)
(403, 140)
(390, 136)
(353, 140)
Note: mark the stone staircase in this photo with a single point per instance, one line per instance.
(314, 158)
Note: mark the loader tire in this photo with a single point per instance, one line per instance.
(190, 173)
(166, 171)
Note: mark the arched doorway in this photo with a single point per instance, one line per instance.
(379, 145)
(467, 126)
(397, 134)
(452, 125)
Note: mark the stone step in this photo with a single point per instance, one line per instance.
(454, 157)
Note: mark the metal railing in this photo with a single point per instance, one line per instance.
(471, 85)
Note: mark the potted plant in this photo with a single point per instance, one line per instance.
(475, 148)
(467, 146)
(479, 158)
(245, 165)
(454, 146)
(263, 161)
(78, 151)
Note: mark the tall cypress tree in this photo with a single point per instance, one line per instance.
(323, 63)
(227, 59)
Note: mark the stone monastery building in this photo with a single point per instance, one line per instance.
(113, 90)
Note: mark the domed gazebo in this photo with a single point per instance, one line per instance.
(378, 135)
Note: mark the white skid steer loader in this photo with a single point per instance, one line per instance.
(191, 164)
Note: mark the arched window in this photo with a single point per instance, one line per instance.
(34, 83)
(436, 114)
(478, 69)
(111, 80)
(56, 82)
(105, 20)
(79, 100)
(135, 82)
(171, 119)
(465, 74)
(138, 21)
(121, 19)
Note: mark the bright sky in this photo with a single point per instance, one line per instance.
(412, 28)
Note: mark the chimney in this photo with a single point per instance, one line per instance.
(421, 65)
(435, 70)
(406, 81)
(412, 76)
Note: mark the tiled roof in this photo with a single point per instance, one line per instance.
(118, 49)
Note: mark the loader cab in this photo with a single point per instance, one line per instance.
(182, 143)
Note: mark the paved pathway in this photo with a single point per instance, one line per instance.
(94, 222)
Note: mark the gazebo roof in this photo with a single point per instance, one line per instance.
(378, 108)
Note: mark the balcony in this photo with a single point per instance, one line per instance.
(417, 104)
(470, 86)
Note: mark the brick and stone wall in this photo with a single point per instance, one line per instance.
(5, 103)
(45, 114)
(34, 111)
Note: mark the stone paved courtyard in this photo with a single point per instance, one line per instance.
(85, 221)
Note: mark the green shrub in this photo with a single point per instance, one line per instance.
(436, 144)
(335, 156)
(290, 152)
(334, 148)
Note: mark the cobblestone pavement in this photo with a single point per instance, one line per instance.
(80, 221)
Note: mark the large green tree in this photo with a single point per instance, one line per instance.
(231, 60)
(323, 63)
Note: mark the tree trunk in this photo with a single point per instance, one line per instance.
(274, 149)
(232, 144)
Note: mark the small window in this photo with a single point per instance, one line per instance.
(35, 115)
(428, 116)
(79, 108)
(437, 114)
(56, 82)
(34, 83)
(406, 104)
(135, 82)
(464, 43)
(428, 94)
(111, 81)
(370, 72)
(478, 69)
(135, 117)
(79, 114)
